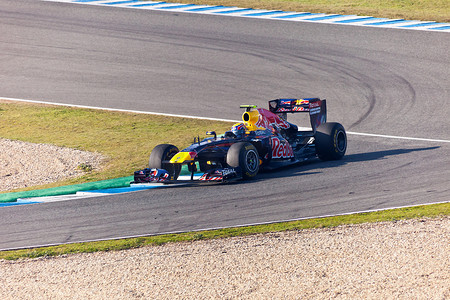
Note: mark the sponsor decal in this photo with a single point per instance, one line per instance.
(301, 101)
(336, 149)
(285, 102)
(219, 175)
(300, 108)
(314, 104)
(213, 177)
(281, 149)
(226, 172)
(314, 111)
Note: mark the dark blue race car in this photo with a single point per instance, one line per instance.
(263, 140)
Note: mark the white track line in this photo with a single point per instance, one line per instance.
(399, 137)
(212, 119)
(118, 110)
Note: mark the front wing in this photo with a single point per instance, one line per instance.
(162, 176)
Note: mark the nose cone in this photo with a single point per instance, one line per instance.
(181, 157)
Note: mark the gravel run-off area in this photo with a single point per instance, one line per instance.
(25, 164)
(400, 260)
(392, 260)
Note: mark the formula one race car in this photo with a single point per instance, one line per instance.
(264, 140)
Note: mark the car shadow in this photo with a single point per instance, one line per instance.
(315, 166)
(360, 157)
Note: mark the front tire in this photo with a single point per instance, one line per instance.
(331, 141)
(246, 156)
(159, 157)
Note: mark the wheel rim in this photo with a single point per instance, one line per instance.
(251, 160)
(341, 141)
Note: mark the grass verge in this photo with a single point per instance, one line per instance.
(426, 10)
(126, 139)
(425, 211)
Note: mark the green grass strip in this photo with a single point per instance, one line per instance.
(73, 189)
(125, 139)
(69, 189)
(426, 10)
(417, 212)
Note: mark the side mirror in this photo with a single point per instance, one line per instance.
(212, 133)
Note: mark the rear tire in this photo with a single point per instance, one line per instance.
(162, 153)
(331, 141)
(246, 156)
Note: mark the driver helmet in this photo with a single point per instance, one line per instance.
(239, 130)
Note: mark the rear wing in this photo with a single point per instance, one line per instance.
(317, 109)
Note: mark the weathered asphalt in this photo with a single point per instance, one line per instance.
(382, 81)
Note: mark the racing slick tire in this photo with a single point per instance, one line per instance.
(331, 141)
(246, 156)
(161, 153)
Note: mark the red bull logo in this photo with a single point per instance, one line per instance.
(301, 102)
(159, 175)
(280, 149)
(268, 119)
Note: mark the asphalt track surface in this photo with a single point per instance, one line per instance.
(380, 81)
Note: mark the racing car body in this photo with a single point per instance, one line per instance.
(264, 140)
